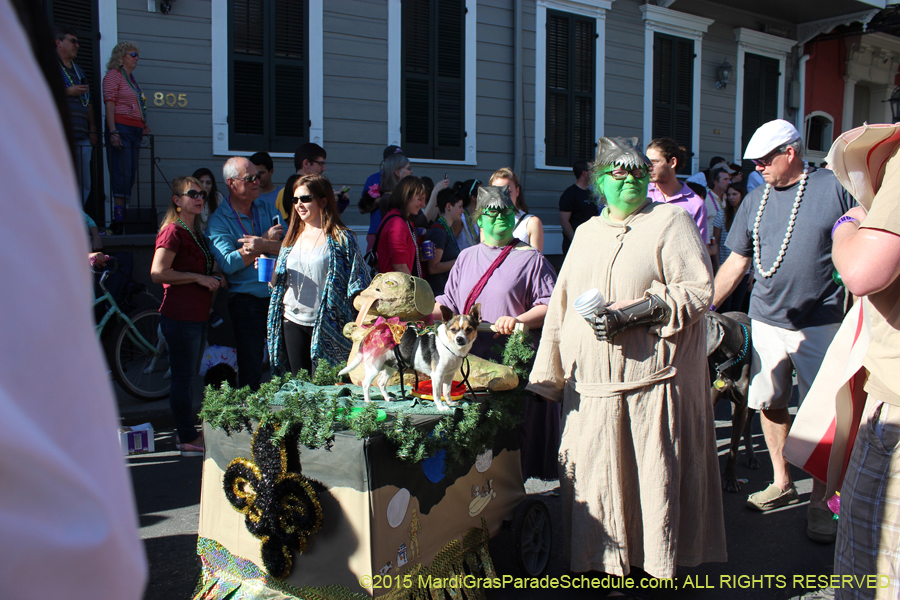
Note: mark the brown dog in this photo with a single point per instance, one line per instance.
(728, 353)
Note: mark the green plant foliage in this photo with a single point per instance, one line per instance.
(314, 415)
(518, 354)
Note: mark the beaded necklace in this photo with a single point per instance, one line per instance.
(133, 84)
(203, 248)
(790, 229)
(443, 222)
(416, 246)
(254, 219)
(85, 98)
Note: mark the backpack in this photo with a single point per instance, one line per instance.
(371, 257)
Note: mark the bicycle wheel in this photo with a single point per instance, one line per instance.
(141, 373)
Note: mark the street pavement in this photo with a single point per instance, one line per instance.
(772, 547)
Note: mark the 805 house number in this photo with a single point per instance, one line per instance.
(170, 99)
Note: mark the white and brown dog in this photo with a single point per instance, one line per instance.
(438, 354)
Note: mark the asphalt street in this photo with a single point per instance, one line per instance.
(768, 553)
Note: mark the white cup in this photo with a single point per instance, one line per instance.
(588, 303)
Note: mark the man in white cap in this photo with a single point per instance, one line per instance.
(795, 307)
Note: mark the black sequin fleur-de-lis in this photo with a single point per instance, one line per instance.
(282, 509)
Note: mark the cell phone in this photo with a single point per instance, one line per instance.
(345, 189)
(445, 176)
(276, 220)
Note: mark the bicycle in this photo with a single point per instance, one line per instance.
(137, 356)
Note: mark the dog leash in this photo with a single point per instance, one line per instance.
(719, 383)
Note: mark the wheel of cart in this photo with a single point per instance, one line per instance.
(532, 538)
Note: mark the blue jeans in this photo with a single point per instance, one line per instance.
(83, 150)
(185, 341)
(123, 162)
(248, 319)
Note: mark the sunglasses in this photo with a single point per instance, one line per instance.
(767, 160)
(621, 174)
(194, 194)
(493, 212)
(305, 199)
(248, 178)
(134, 55)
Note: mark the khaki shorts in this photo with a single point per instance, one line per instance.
(776, 353)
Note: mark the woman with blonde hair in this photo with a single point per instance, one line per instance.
(184, 265)
(318, 272)
(528, 228)
(126, 123)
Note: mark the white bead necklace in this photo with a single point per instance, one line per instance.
(790, 229)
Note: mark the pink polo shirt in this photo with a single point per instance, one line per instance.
(687, 200)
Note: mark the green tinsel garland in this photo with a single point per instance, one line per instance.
(316, 415)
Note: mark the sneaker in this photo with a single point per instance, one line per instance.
(821, 526)
(772, 497)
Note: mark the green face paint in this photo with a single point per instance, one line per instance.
(623, 196)
(497, 227)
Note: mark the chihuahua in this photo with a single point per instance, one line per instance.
(438, 354)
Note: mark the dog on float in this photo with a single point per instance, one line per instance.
(437, 354)
(728, 353)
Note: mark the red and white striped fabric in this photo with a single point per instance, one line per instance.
(824, 429)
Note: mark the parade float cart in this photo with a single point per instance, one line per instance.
(306, 493)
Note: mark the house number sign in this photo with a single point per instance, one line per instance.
(170, 99)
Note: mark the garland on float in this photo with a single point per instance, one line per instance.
(314, 417)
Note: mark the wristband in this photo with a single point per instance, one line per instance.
(841, 221)
(113, 132)
(712, 308)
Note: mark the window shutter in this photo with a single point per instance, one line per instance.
(673, 89)
(267, 75)
(761, 76)
(82, 15)
(571, 105)
(433, 86)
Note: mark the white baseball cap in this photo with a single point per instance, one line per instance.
(770, 136)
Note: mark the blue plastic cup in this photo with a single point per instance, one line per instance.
(266, 266)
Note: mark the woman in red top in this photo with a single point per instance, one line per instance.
(126, 122)
(184, 265)
(398, 247)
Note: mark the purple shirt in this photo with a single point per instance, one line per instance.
(525, 279)
(687, 200)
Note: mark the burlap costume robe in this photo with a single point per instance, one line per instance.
(639, 471)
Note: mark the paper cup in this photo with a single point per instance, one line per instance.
(266, 268)
(588, 303)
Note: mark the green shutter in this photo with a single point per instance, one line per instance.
(267, 84)
(570, 100)
(433, 83)
(673, 89)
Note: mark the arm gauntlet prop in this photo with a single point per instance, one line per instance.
(649, 311)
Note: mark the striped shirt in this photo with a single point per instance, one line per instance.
(128, 106)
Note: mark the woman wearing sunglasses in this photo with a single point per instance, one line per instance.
(318, 272)
(185, 267)
(126, 122)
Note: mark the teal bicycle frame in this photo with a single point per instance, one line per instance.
(133, 334)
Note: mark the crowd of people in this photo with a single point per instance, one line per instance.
(627, 426)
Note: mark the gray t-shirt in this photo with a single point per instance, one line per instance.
(801, 293)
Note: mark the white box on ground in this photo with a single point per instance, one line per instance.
(137, 439)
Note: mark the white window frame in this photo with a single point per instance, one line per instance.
(395, 78)
(683, 25)
(816, 155)
(595, 9)
(764, 44)
(220, 140)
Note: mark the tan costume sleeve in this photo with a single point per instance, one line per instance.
(547, 378)
(688, 287)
